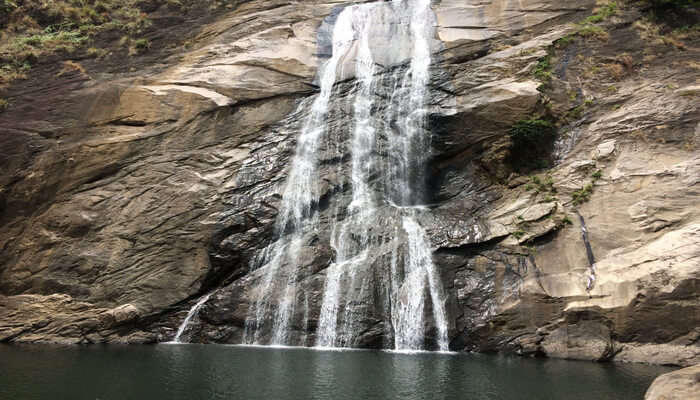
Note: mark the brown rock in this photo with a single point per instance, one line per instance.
(678, 385)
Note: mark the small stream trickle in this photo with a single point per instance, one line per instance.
(191, 314)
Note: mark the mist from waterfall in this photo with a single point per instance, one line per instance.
(386, 179)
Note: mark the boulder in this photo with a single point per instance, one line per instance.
(678, 385)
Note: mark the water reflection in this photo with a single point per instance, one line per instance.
(250, 373)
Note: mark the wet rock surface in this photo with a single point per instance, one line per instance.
(125, 197)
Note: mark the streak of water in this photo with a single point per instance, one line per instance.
(190, 315)
(352, 236)
(300, 194)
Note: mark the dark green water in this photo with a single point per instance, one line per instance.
(231, 372)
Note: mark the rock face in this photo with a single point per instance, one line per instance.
(127, 196)
(681, 384)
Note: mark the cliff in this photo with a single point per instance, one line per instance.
(564, 177)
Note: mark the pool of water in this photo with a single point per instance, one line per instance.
(234, 372)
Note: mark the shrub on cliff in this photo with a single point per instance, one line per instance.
(36, 28)
(532, 142)
(674, 13)
(32, 29)
(674, 3)
(530, 131)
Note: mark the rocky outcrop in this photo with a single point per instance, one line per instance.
(59, 318)
(126, 196)
(681, 384)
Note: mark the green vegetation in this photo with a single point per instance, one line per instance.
(21, 16)
(577, 112)
(671, 18)
(566, 220)
(677, 36)
(13, 69)
(593, 31)
(532, 141)
(6, 7)
(36, 28)
(139, 46)
(687, 31)
(530, 130)
(3, 104)
(51, 39)
(543, 69)
(540, 185)
(667, 4)
(587, 28)
(565, 41)
(33, 29)
(522, 227)
(605, 12)
(142, 44)
(583, 195)
(531, 251)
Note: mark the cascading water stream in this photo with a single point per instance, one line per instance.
(408, 188)
(192, 313)
(299, 196)
(350, 238)
(388, 155)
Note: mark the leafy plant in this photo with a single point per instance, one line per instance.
(576, 112)
(593, 31)
(36, 28)
(666, 4)
(6, 6)
(531, 250)
(545, 185)
(530, 130)
(532, 142)
(142, 44)
(543, 69)
(139, 46)
(12, 70)
(603, 13)
(565, 41)
(583, 195)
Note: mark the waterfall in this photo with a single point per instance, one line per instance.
(387, 177)
(300, 194)
(408, 320)
(407, 187)
(190, 315)
(350, 239)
